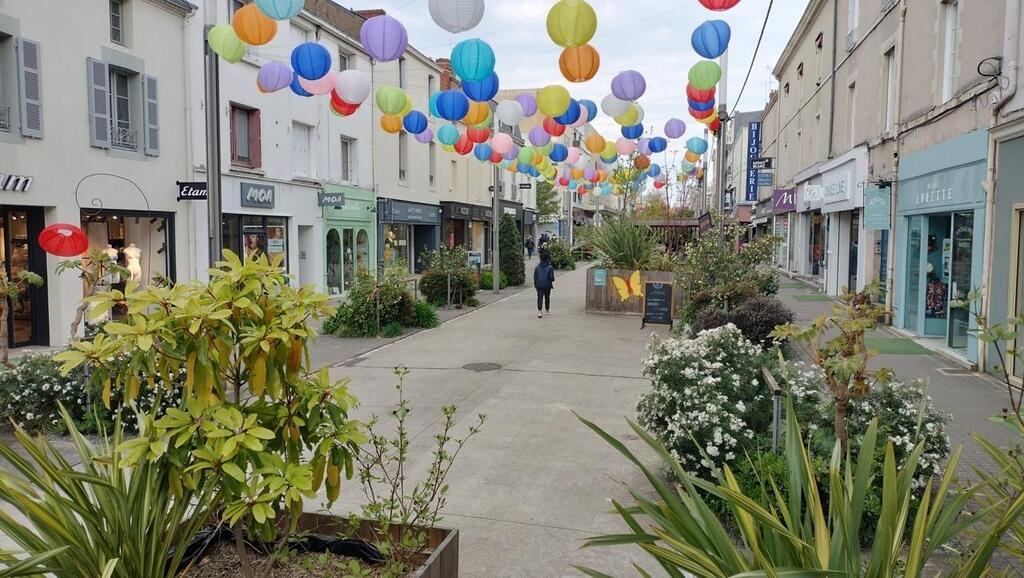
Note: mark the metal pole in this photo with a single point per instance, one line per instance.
(213, 182)
(495, 234)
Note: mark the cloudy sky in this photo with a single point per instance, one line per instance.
(651, 36)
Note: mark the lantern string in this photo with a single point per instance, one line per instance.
(753, 59)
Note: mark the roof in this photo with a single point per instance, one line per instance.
(183, 5)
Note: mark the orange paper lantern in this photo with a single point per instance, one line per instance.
(641, 162)
(576, 174)
(579, 63)
(692, 157)
(478, 112)
(595, 143)
(391, 123)
(253, 26)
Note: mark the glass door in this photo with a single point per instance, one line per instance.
(912, 289)
(960, 277)
(1018, 362)
(851, 281)
(937, 275)
(16, 255)
(348, 253)
(333, 262)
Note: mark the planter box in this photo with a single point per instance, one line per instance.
(606, 299)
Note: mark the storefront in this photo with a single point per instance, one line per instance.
(467, 226)
(350, 232)
(407, 232)
(842, 201)
(530, 224)
(783, 207)
(939, 239)
(27, 319)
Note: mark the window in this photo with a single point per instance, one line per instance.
(890, 89)
(300, 150)
(235, 6)
(952, 26)
(432, 178)
(348, 172)
(122, 132)
(117, 21)
(245, 136)
(401, 72)
(853, 17)
(342, 60)
(403, 155)
(431, 84)
(851, 112)
(8, 84)
(253, 236)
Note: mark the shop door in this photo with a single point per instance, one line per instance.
(1018, 362)
(333, 262)
(26, 318)
(851, 281)
(960, 277)
(912, 290)
(937, 274)
(349, 252)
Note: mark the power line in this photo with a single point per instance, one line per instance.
(753, 59)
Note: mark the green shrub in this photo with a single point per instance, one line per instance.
(358, 315)
(444, 263)
(487, 280)
(756, 317)
(393, 329)
(426, 315)
(511, 251)
(623, 243)
(562, 257)
(472, 302)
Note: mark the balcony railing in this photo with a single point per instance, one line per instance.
(851, 39)
(123, 138)
(5, 118)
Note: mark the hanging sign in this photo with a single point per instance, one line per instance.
(192, 191)
(753, 150)
(763, 164)
(877, 209)
(783, 201)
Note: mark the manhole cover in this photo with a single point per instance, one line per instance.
(482, 367)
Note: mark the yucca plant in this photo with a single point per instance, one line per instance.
(795, 534)
(623, 243)
(107, 519)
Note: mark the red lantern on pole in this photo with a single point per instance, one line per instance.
(63, 240)
(341, 107)
(478, 135)
(463, 146)
(698, 95)
(715, 126)
(553, 128)
(719, 5)
(702, 114)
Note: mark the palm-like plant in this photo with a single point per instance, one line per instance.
(623, 243)
(793, 533)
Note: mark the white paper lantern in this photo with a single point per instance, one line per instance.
(353, 86)
(457, 16)
(510, 112)
(614, 107)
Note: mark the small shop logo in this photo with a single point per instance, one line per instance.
(16, 183)
(257, 196)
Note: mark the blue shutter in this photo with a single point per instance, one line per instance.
(98, 85)
(31, 88)
(151, 114)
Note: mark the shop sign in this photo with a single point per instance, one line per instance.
(753, 150)
(957, 187)
(335, 200)
(192, 191)
(398, 211)
(510, 211)
(838, 190)
(877, 209)
(783, 201)
(16, 183)
(765, 179)
(813, 193)
(763, 164)
(600, 277)
(257, 196)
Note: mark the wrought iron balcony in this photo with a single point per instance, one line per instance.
(5, 118)
(124, 138)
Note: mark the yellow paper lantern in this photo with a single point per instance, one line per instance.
(572, 23)
(553, 100)
(629, 118)
(576, 174)
(537, 158)
(692, 157)
(225, 42)
(513, 166)
(448, 148)
(487, 122)
(478, 112)
(609, 150)
(596, 143)
(391, 123)
(253, 26)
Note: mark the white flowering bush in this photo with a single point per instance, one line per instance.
(707, 401)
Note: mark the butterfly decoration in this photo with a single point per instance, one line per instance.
(629, 288)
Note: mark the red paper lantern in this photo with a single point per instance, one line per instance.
(659, 185)
(563, 181)
(478, 135)
(63, 240)
(699, 95)
(552, 127)
(581, 190)
(715, 126)
(496, 157)
(463, 146)
(341, 107)
(719, 5)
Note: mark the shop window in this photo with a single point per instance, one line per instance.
(117, 24)
(333, 262)
(254, 235)
(362, 251)
(349, 256)
(396, 245)
(245, 136)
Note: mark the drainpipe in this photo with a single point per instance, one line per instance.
(894, 188)
(1011, 46)
(832, 97)
(193, 265)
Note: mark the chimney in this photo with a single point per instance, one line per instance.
(447, 76)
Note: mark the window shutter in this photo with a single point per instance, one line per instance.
(31, 88)
(99, 103)
(152, 115)
(255, 152)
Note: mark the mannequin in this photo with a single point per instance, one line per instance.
(132, 255)
(111, 253)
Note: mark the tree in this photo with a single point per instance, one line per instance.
(511, 253)
(95, 270)
(549, 206)
(654, 208)
(10, 289)
(627, 180)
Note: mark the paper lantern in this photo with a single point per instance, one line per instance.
(463, 146)
(342, 108)
(630, 117)
(425, 137)
(577, 173)
(654, 171)
(705, 74)
(559, 153)
(595, 143)
(482, 152)
(478, 135)
(701, 105)
(719, 5)
(609, 150)
(552, 127)
(253, 26)
(571, 23)
(225, 42)
(686, 166)
(274, 76)
(697, 145)
(583, 119)
(384, 38)
(473, 60)
(633, 131)
(709, 118)
(502, 143)
(511, 153)
(510, 112)
(642, 162)
(715, 126)
(658, 144)
(495, 156)
(614, 107)
(415, 122)
(553, 100)
(311, 60)
(488, 120)
(563, 182)
(323, 85)
(675, 128)
(391, 123)
(280, 9)
(539, 137)
(525, 156)
(452, 105)
(699, 95)
(63, 240)
(702, 114)
(659, 184)
(477, 113)
(591, 108)
(711, 39)
(456, 16)
(644, 146)
(297, 88)
(574, 156)
(624, 146)
(390, 99)
(692, 156)
(353, 86)
(571, 114)
(528, 102)
(579, 63)
(629, 85)
(448, 135)
(481, 90)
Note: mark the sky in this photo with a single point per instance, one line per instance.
(650, 36)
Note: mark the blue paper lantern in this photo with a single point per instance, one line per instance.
(711, 39)
(482, 152)
(633, 132)
(591, 107)
(452, 105)
(658, 144)
(473, 60)
(482, 90)
(609, 160)
(432, 105)
(559, 152)
(448, 135)
(571, 115)
(697, 145)
(415, 122)
(311, 60)
(297, 88)
(654, 171)
(701, 106)
(280, 9)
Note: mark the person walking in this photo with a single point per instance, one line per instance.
(529, 247)
(544, 282)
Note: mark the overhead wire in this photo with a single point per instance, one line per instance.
(753, 59)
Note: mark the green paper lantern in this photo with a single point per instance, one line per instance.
(525, 156)
(391, 100)
(705, 75)
(553, 100)
(225, 42)
(571, 23)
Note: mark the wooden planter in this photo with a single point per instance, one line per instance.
(441, 559)
(606, 299)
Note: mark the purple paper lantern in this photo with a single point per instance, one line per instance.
(675, 128)
(274, 76)
(426, 136)
(529, 104)
(629, 85)
(644, 146)
(384, 38)
(512, 153)
(539, 137)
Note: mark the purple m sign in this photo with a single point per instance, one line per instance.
(783, 201)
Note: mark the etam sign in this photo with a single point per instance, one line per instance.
(16, 183)
(257, 195)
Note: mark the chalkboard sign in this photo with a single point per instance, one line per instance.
(657, 304)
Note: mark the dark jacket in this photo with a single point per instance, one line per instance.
(544, 276)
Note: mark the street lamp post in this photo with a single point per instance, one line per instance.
(213, 182)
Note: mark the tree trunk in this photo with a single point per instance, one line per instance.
(4, 339)
(842, 403)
